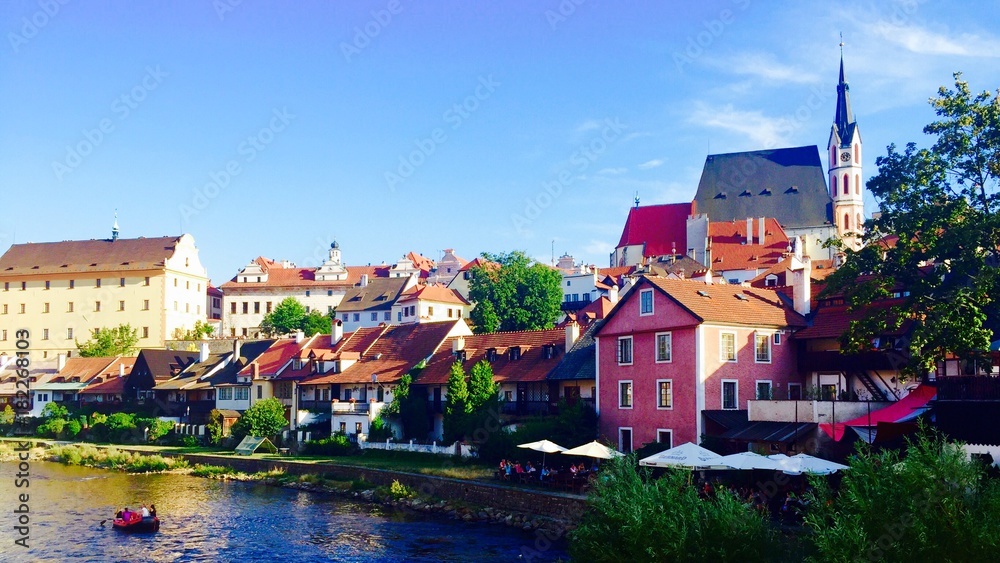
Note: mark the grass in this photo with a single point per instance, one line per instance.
(412, 462)
(113, 458)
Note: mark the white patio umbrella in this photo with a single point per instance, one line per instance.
(544, 446)
(688, 455)
(747, 460)
(594, 449)
(805, 463)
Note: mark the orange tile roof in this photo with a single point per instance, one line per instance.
(421, 262)
(729, 251)
(478, 261)
(833, 321)
(277, 355)
(819, 271)
(532, 366)
(719, 303)
(594, 311)
(83, 368)
(111, 385)
(398, 350)
(616, 271)
(433, 292)
(87, 255)
(279, 276)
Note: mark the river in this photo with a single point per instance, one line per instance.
(210, 520)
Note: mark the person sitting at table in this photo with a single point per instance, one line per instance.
(517, 468)
(581, 468)
(545, 473)
(572, 469)
(529, 469)
(506, 471)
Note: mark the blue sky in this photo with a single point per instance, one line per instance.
(266, 128)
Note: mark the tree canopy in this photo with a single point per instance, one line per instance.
(931, 254)
(118, 341)
(200, 331)
(456, 407)
(264, 419)
(316, 323)
(286, 317)
(513, 292)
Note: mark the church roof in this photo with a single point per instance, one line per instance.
(662, 228)
(788, 184)
(843, 121)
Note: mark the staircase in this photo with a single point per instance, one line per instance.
(874, 390)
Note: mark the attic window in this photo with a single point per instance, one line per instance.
(792, 190)
(742, 297)
(460, 356)
(93, 263)
(704, 293)
(491, 355)
(549, 351)
(515, 353)
(720, 195)
(746, 193)
(765, 191)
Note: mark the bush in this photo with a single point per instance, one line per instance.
(157, 428)
(51, 428)
(190, 442)
(635, 518)
(72, 428)
(399, 491)
(265, 419)
(54, 410)
(336, 445)
(211, 471)
(214, 427)
(379, 430)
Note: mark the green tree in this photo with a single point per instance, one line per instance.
(456, 408)
(54, 410)
(410, 404)
(286, 317)
(200, 331)
(214, 427)
(264, 419)
(118, 341)
(932, 505)
(513, 292)
(8, 416)
(483, 391)
(935, 241)
(316, 323)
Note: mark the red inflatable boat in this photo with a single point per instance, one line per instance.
(136, 523)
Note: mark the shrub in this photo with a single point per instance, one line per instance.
(190, 442)
(72, 428)
(265, 418)
(400, 491)
(379, 430)
(336, 445)
(214, 427)
(51, 428)
(210, 471)
(157, 428)
(54, 410)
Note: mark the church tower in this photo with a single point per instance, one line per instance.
(844, 150)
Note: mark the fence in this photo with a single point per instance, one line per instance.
(413, 446)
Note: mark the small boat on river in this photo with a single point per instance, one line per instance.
(136, 523)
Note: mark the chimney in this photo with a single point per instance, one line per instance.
(761, 231)
(364, 280)
(121, 369)
(572, 334)
(458, 344)
(749, 230)
(801, 269)
(60, 362)
(203, 352)
(255, 370)
(613, 294)
(236, 349)
(299, 336)
(337, 334)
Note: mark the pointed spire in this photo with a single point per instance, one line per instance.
(637, 199)
(114, 229)
(843, 120)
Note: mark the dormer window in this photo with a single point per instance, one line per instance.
(515, 353)
(491, 355)
(460, 356)
(549, 351)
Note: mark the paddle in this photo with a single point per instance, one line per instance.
(102, 523)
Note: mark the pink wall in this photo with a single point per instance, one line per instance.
(645, 417)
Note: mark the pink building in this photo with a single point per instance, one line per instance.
(672, 349)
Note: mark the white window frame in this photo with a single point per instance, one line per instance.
(722, 348)
(631, 387)
(770, 352)
(799, 386)
(736, 395)
(670, 347)
(631, 439)
(631, 350)
(643, 293)
(756, 389)
(776, 339)
(657, 389)
(238, 391)
(670, 431)
(225, 393)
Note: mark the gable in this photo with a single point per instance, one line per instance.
(667, 313)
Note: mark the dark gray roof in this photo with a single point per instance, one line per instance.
(378, 295)
(768, 431)
(787, 184)
(579, 364)
(248, 353)
(161, 363)
(844, 125)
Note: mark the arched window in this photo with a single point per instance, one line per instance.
(847, 185)
(833, 156)
(833, 186)
(847, 221)
(857, 184)
(859, 221)
(857, 153)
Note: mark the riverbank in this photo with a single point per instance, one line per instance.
(550, 514)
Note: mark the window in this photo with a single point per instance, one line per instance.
(857, 153)
(727, 347)
(664, 347)
(625, 440)
(833, 186)
(256, 307)
(625, 350)
(357, 317)
(430, 311)
(729, 394)
(260, 391)
(846, 185)
(665, 437)
(22, 308)
(307, 293)
(246, 307)
(45, 307)
(187, 284)
(69, 307)
(764, 391)
(6, 286)
(267, 307)
(45, 334)
(121, 282)
(3, 334)
(145, 304)
(387, 316)
(374, 317)
(795, 391)
(145, 332)
(244, 332)
(232, 307)
(776, 338)
(187, 307)
(762, 348)
(646, 302)
(121, 305)
(175, 282)
(97, 306)
(72, 284)
(97, 282)
(345, 316)
(242, 394)
(664, 394)
(145, 281)
(5, 308)
(857, 183)
(225, 393)
(625, 394)
(175, 306)
(399, 316)
(69, 334)
(47, 284)
(329, 293)
(24, 286)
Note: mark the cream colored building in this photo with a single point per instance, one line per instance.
(62, 291)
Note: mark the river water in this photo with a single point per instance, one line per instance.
(209, 520)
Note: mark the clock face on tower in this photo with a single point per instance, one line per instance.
(845, 157)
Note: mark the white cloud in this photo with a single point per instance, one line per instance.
(923, 41)
(612, 171)
(765, 66)
(649, 164)
(761, 130)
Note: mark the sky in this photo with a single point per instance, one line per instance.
(273, 128)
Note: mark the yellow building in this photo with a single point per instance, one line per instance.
(61, 291)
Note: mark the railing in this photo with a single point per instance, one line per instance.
(525, 407)
(888, 360)
(315, 406)
(968, 388)
(350, 408)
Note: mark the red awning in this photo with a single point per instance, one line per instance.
(909, 407)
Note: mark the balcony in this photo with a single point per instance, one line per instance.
(315, 406)
(888, 360)
(811, 411)
(350, 408)
(525, 407)
(968, 388)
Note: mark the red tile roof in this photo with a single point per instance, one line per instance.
(833, 321)
(479, 261)
(730, 251)
(396, 352)
(532, 366)
(662, 228)
(83, 368)
(279, 276)
(111, 385)
(820, 270)
(594, 311)
(108, 380)
(421, 262)
(87, 255)
(214, 291)
(277, 355)
(433, 292)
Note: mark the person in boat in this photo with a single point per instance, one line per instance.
(152, 510)
(126, 514)
(144, 511)
(118, 514)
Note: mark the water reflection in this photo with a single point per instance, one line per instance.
(206, 520)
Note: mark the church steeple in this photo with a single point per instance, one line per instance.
(844, 151)
(114, 229)
(843, 121)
